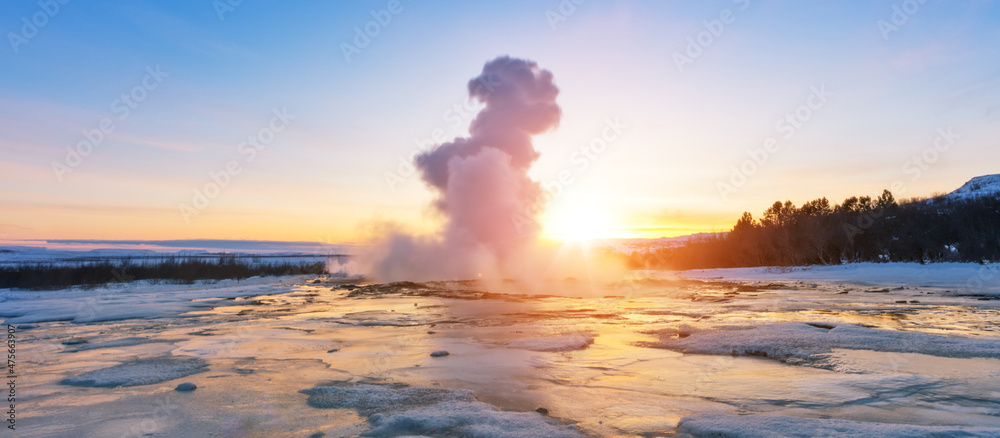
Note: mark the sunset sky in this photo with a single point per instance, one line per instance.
(885, 79)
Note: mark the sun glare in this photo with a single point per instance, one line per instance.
(577, 223)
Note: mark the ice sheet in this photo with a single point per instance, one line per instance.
(810, 343)
(277, 336)
(752, 426)
(131, 300)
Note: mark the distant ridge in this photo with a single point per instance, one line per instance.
(16, 251)
(208, 244)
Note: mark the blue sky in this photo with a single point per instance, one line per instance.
(323, 177)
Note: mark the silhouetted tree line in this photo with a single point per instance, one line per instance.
(47, 276)
(858, 230)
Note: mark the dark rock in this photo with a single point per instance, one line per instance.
(439, 353)
(186, 386)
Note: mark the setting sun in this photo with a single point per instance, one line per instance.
(579, 222)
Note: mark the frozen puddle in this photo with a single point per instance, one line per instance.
(640, 358)
(138, 372)
(83, 344)
(555, 343)
(433, 411)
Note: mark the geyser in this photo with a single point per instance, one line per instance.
(484, 195)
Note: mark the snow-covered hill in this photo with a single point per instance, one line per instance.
(986, 185)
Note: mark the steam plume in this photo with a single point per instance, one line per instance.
(484, 193)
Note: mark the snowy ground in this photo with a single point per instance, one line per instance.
(965, 277)
(874, 350)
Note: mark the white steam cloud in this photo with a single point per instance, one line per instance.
(484, 193)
